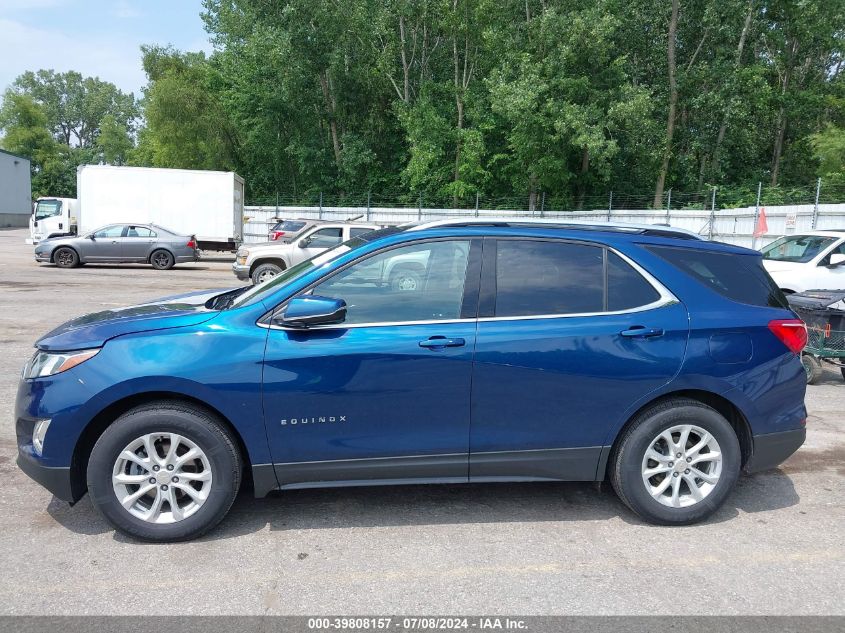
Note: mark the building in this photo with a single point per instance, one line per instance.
(15, 190)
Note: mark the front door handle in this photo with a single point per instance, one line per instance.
(441, 341)
(640, 331)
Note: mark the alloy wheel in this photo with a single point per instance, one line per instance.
(681, 466)
(162, 478)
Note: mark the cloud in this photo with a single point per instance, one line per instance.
(109, 57)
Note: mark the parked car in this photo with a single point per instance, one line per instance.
(261, 262)
(120, 243)
(287, 230)
(809, 261)
(527, 352)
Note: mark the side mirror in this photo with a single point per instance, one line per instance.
(303, 243)
(303, 312)
(837, 259)
(92, 238)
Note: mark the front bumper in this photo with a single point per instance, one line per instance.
(772, 449)
(56, 479)
(241, 271)
(45, 258)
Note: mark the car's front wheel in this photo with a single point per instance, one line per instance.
(676, 462)
(165, 471)
(264, 272)
(66, 257)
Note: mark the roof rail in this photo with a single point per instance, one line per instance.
(657, 230)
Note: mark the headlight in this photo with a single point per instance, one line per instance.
(49, 363)
(242, 257)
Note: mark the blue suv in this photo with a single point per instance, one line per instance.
(447, 352)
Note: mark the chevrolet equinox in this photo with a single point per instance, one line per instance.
(524, 351)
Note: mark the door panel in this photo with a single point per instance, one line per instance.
(107, 245)
(564, 384)
(548, 391)
(367, 394)
(386, 394)
(137, 244)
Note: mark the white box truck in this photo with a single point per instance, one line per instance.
(208, 204)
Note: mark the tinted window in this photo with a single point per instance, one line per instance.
(535, 277)
(139, 231)
(355, 232)
(626, 288)
(420, 282)
(110, 231)
(325, 238)
(741, 278)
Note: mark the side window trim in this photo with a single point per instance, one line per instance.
(471, 289)
(487, 299)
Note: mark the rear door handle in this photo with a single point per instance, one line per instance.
(640, 331)
(442, 341)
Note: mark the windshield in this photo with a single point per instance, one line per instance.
(265, 288)
(289, 226)
(796, 248)
(274, 283)
(48, 209)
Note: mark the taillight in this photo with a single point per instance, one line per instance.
(790, 332)
(191, 244)
(276, 235)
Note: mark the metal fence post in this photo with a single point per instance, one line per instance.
(756, 215)
(816, 206)
(368, 206)
(277, 203)
(320, 212)
(713, 213)
(668, 205)
(419, 210)
(609, 206)
(542, 204)
(476, 204)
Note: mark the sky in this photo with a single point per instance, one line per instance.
(97, 38)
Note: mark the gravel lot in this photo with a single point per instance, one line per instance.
(775, 548)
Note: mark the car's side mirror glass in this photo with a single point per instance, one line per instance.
(307, 311)
(836, 260)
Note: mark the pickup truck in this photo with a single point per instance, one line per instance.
(263, 261)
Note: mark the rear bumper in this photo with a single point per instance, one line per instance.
(772, 449)
(182, 259)
(55, 479)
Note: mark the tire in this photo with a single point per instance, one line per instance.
(405, 279)
(812, 368)
(628, 461)
(162, 259)
(66, 257)
(213, 494)
(264, 272)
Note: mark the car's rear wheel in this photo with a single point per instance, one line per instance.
(264, 272)
(164, 472)
(812, 368)
(66, 257)
(162, 260)
(676, 463)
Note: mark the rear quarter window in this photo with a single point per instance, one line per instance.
(740, 278)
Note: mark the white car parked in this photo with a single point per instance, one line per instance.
(810, 261)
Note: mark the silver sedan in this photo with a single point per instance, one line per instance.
(120, 243)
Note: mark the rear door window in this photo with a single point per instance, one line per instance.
(536, 278)
(626, 288)
(740, 278)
